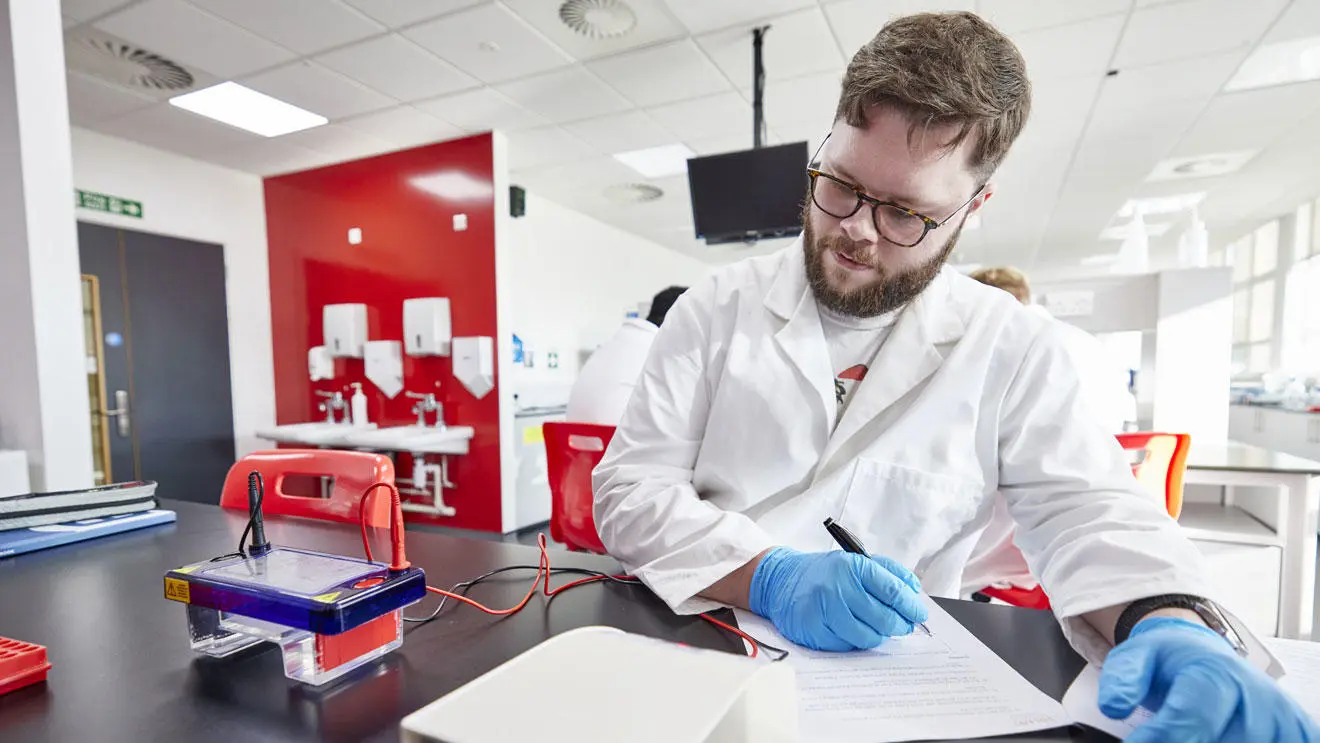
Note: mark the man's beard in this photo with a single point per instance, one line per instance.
(884, 293)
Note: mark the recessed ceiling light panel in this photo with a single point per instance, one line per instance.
(1121, 231)
(1161, 204)
(1281, 63)
(657, 162)
(245, 108)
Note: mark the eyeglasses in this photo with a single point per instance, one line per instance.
(895, 223)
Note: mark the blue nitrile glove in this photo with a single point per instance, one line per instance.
(835, 600)
(1198, 688)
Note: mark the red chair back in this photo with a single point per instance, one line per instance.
(1162, 464)
(351, 473)
(572, 451)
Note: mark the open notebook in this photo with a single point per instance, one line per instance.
(39, 509)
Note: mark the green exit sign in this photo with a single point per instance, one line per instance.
(105, 203)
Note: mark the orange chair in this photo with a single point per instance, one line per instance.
(1159, 464)
(351, 473)
(572, 451)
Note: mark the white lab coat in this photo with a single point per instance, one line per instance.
(726, 449)
(607, 379)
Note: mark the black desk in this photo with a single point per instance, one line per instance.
(123, 670)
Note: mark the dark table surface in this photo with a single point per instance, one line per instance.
(123, 670)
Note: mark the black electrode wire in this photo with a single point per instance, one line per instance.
(467, 584)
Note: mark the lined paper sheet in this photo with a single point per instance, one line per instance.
(937, 686)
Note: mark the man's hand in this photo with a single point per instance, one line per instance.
(1198, 688)
(835, 600)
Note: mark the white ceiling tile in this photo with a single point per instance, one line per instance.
(1301, 19)
(1250, 120)
(809, 100)
(1067, 51)
(490, 43)
(569, 94)
(593, 174)
(399, 13)
(661, 74)
(1164, 123)
(796, 44)
(720, 143)
(547, 145)
(654, 24)
(404, 126)
(856, 22)
(710, 116)
(169, 128)
(270, 157)
(1180, 30)
(340, 140)
(482, 110)
(319, 90)
(398, 68)
(701, 16)
(632, 130)
(92, 101)
(1132, 91)
(86, 10)
(305, 26)
(187, 35)
(1015, 16)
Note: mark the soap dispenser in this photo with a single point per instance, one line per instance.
(358, 405)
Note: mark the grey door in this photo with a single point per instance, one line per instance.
(166, 339)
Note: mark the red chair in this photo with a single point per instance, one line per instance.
(572, 451)
(286, 472)
(1159, 463)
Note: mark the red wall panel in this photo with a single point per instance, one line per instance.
(409, 249)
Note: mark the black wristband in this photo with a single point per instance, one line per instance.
(1139, 609)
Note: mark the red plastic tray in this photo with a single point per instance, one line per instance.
(21, 664)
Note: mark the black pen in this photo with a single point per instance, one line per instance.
(850, 543)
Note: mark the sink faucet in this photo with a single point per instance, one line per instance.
(334, 401)
(428, 404)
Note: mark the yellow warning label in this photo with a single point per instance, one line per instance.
(177, 590)
(533, 435)
(186, 569)
(327, 597)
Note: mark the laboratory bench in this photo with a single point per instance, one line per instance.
(123, 670)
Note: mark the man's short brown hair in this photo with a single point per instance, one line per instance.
(1007, 278)
(943, 69)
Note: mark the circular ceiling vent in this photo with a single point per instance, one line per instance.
(598, 19)
(633, 193)
(123, 64)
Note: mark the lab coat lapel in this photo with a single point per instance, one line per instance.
(801, 339)
(905, 360)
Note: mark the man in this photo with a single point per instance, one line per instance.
(738, 441)
(607, 379)
(1104, 384)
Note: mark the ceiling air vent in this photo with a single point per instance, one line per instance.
(598, 19)
(633, 193)
(125, 65)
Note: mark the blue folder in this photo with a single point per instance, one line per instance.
(18, 541)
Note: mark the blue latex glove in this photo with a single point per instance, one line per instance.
(1198, 688)
(835, 600)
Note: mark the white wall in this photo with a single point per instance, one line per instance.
(570, 281)
(198, 201)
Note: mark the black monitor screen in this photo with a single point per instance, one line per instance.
(749, 194)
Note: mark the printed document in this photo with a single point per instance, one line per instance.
(940, 685)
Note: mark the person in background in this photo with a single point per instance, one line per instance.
(607, 379)
(1104, 385)
(854, 376)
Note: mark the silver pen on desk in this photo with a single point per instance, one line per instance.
(850, 543)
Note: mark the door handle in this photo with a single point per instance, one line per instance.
(120, 413)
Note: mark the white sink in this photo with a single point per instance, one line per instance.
(313, 434)
(414, 439)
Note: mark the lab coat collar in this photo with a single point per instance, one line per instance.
(801, 338)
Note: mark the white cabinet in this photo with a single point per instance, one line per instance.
(1246, 578)
(1281, 430)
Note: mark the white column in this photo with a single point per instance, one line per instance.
(44, 405)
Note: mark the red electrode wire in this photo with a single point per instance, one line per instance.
(400, 562)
